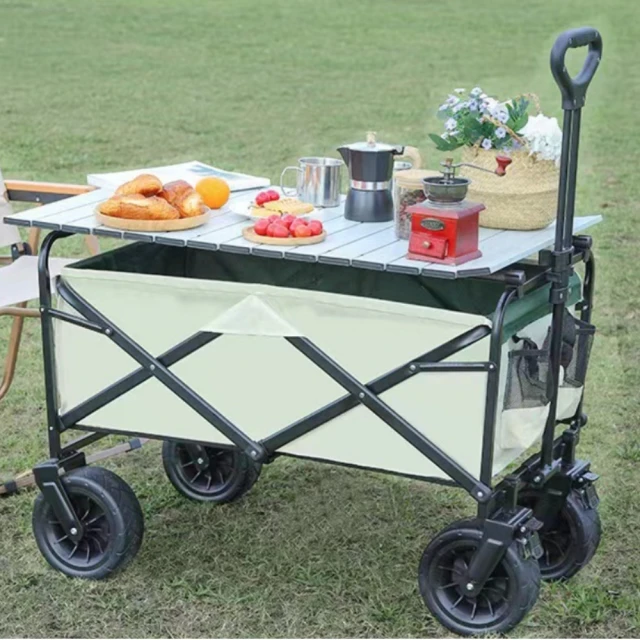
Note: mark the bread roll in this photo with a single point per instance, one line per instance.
(174, 191)
(144, 184)
(184, 197)
(190, 205)
(137, 207)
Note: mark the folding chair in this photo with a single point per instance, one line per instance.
(19, 285)
(19, 280)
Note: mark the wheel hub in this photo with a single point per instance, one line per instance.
(88, 551)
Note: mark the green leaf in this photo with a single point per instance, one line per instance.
(441, 145)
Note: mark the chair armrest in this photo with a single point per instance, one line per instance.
(42, 192)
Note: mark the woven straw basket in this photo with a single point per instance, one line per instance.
(526, 198)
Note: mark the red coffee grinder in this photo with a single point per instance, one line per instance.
(444, 228)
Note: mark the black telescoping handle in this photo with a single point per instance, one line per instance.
(574, 90)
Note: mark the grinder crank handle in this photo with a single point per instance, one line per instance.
(574, 90)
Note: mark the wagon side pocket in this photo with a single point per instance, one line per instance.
(527, 377)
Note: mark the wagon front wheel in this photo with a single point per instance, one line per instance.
(209, 474)
(507, 596)
(112, 522)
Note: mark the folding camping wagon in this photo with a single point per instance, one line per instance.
(389, 367)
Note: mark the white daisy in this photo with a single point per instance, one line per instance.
(459, 107)
(502, 115)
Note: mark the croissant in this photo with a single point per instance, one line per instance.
(145, 184)
(173, 191)
(184, 197)
(137, 207)
(190, 205)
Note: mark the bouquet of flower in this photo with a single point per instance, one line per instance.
(474, 118)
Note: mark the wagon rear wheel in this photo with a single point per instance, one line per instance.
(508, 595)
(112, 521)
(209, 474)
(570, 539)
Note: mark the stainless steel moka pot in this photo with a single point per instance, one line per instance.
(370, 166)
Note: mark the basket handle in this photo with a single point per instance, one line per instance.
(574, 90)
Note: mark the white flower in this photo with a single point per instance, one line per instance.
(452, 100)
(475, 92)
(459, 90)
(486, 144)
(501, 132)
(460, 106)
(543, 137)
(454, 133)
(445, 136)
(450, 124)
(473, 105)
(489, 104)
(501, 114)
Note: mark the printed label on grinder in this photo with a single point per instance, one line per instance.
(433, 224)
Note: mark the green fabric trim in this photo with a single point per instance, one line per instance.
(478, 297)
(535, 305)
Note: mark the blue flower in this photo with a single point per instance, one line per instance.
(451, 124)
(473, 105)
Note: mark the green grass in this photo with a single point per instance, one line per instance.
(253, 84)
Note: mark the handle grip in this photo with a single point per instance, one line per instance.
(574, 90)
(289, 191)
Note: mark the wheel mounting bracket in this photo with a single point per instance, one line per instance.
(499, 532)
(47, 477)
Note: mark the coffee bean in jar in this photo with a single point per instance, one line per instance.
(407, 192)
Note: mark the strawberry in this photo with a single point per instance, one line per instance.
(261, 227)
(273, 195)
(274, 218)
(316, 227)
(287, 220)
(261, 198)
(280, 231)
(302, 231)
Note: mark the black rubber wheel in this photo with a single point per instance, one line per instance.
(503, 602)
(570, 541)
(112, 518)
(228, 476)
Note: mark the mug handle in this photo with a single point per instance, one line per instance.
(283, 188)
(414, 155)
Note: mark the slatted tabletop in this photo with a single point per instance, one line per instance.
(356, 244)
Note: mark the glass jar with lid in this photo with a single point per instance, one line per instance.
(407, 187)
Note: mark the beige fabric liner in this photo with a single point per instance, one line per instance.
(262, 383)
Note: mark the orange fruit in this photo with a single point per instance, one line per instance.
(214, 191)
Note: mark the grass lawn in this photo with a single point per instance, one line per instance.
(253, 84)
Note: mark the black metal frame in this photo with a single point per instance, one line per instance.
(554, 470)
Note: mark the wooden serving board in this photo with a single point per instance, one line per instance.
(249, 234)
(179, 224)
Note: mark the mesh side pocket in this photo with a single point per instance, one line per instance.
(576, 371)
(527, 378)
